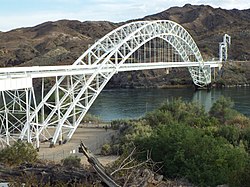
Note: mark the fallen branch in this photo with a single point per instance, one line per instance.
(131, 160)
(100, 170)
(137, 175)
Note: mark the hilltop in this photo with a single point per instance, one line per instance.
(59, 42)
(207, 25)
(62, 42)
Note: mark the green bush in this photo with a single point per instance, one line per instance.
(208, 149)
(246, 138)
(239, 121)
(222, 109)
(189, 152)
(130, 132)
(157, 117)
(242, 178)
(231, 133)
(120, 124)
(106, 149)
(18, 153)
(179, 111)
(72, 161)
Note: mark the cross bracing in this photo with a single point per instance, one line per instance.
(55, 113)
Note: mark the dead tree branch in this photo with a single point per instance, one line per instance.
(100, 170)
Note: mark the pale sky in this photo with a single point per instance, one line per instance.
(25, 13)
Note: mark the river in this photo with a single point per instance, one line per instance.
(133, 103)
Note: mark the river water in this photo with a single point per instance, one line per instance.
(133, 103)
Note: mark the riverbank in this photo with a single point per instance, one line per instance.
(232, 73)
(93, 136)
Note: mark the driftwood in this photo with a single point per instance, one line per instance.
(50, 174)
(139, 177)
(100, 170)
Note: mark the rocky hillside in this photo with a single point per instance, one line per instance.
(207, 25)
(62, 42)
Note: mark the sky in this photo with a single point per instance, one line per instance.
(26, 13)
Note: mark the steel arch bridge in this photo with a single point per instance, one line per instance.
(58, 111)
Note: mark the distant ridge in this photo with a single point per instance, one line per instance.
(61, 42)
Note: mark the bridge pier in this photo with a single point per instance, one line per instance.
(207, 87)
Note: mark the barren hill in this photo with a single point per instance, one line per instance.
(207, 25)
(60, 42)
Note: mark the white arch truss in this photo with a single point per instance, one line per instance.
(65, 104)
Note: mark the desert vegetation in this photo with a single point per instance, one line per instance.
(207, 149)
(177, 142)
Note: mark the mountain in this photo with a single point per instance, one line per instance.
(207, 25)
(62, 42)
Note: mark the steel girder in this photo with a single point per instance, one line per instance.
(223, 47)
(17, 105)
(73, 95)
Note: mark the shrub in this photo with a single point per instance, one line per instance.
(18, 153)
(231, 133)
(72, 161)
(179, 111)
(207, 149)
(241, 178)
(239, 121)
(157, 117)
(106, 149)
(246, 138)
(189, 152)
(133, 130)
(222, 109)
(119, 124)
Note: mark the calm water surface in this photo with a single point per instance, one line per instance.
(134, 103)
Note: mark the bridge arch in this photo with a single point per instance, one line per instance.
(170, 31)
(108, 54)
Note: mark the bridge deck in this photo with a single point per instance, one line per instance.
(52, 71)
